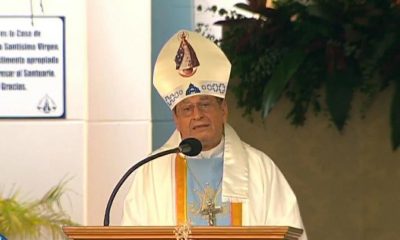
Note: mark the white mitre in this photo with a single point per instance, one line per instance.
(190, 64)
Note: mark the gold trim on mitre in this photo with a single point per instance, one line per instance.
(190, 64)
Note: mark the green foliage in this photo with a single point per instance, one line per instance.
(32, 219)
(299, 48)
(287, 67)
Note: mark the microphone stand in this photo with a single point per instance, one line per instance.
(126, 175)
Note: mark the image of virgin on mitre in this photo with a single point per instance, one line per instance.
(186, 59)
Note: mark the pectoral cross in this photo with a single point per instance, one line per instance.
(211, 211)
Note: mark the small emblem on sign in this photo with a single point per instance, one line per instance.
(46, 105)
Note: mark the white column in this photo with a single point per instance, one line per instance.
(119, 48)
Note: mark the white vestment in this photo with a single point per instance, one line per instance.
(249, 177)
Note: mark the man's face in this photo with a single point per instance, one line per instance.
(202, 117)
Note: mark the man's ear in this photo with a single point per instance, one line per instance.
(175, 119)
(224, 106)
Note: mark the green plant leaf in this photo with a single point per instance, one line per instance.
(280, 78)
(235, 22)
(339, 94)
(395, 117)
(30, 219)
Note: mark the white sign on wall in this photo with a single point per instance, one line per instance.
(32, 68)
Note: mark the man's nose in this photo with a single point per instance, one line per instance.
(197, 112)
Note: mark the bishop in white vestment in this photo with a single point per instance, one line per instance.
(229, 183)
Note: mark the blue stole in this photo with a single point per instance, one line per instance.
(204, 182)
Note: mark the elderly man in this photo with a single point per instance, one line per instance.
(229, 183)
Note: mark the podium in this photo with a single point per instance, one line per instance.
(174, 233)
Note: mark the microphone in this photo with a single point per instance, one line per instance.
(189, 147)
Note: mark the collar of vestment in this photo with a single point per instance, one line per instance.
(216, 152)
(236, 168)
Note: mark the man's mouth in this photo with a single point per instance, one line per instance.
(200, 126)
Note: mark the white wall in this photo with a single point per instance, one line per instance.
(107, 127)
(37, 154)
(209, 18)
(119, 44)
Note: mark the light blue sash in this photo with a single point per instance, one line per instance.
(204, 183)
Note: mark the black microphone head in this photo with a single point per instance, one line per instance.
(190, 147)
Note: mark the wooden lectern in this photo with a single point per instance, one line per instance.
(173, 233)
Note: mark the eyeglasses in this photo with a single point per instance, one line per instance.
(187, 110)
